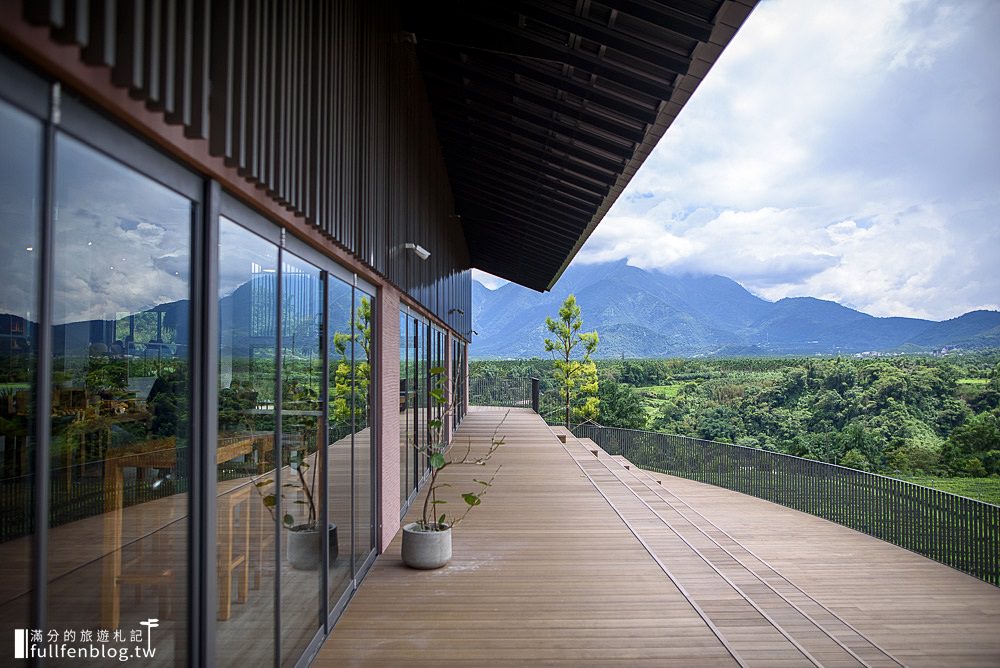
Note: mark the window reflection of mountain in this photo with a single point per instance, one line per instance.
(300, 301)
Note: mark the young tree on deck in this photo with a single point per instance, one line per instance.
(576, 375)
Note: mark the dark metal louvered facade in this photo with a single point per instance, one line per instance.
(543, 109)
(321, 105)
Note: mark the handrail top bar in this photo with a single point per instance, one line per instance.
(782, 454)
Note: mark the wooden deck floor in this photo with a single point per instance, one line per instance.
(576, 560)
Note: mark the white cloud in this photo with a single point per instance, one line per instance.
(489, 280)
(847, 150)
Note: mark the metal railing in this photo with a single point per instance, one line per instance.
(951, 529)
(80, 491)
(505, 391)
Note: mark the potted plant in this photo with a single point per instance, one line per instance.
(427, 542)
(303, 551)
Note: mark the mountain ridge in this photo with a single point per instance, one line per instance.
(640, 313)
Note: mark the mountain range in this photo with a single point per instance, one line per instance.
(640, 313)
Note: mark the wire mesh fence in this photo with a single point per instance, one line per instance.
(500, 391)
(516, 392)
(956, 531)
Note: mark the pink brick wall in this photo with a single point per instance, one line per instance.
(388, 442)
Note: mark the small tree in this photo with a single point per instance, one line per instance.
(437, 452)
(576, 378)
(346, 384)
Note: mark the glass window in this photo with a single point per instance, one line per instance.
(301, 412)
(414, 352)
(120, 390)
(364, 437)
(246, 525)
(341, 420)
(20, 197)
(405, 409)
(419, 403)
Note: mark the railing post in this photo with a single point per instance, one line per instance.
(534, 395)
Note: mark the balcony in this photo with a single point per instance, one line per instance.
(577, 559)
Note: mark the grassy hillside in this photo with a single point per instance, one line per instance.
(981, 489)
(933, 417)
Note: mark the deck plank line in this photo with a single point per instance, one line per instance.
(621, 471)
(547, 573)
(656, 490)
(652, 553)
(544, 573)
(781, 630)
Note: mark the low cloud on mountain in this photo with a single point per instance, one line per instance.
(847, 151)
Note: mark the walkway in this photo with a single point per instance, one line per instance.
(574, 559)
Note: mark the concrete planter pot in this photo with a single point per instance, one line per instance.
(425, 549)
(304, 547)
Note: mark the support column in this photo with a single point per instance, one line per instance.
(388, 437)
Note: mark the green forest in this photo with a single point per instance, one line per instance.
(932, 420)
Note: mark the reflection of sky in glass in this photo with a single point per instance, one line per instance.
(244, 251)
(122, 241)
(20, 186)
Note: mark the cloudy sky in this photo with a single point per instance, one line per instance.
(847, 151)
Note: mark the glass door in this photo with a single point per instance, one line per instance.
(364, 434)
(301, 438)
(405, 407)
(247, 414)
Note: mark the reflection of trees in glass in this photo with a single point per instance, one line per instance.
(168, 403)
(105, 376)
(236, 405)
(351, 399)
(145, 327)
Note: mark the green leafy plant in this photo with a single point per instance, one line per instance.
(303, 482)
(439, 458)
(576, 377)
(352, 380)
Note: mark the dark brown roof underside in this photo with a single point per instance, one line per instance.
(546, 108)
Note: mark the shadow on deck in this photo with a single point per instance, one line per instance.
(578, 560)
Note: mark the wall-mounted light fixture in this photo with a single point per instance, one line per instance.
(471, 332)
(418, 250)
(456, 310)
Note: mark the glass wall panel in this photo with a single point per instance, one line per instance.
(364, 437)
(342, 416)
(246, 525)
(301, 437)
(437, 362)
(461, 373)
(414, 351)
(120, 392)
(417, 404)
(405, 409)
(20, 197)
(457, 383)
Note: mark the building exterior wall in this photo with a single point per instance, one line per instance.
(388, 446)
(348, 160)
(300, 128)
